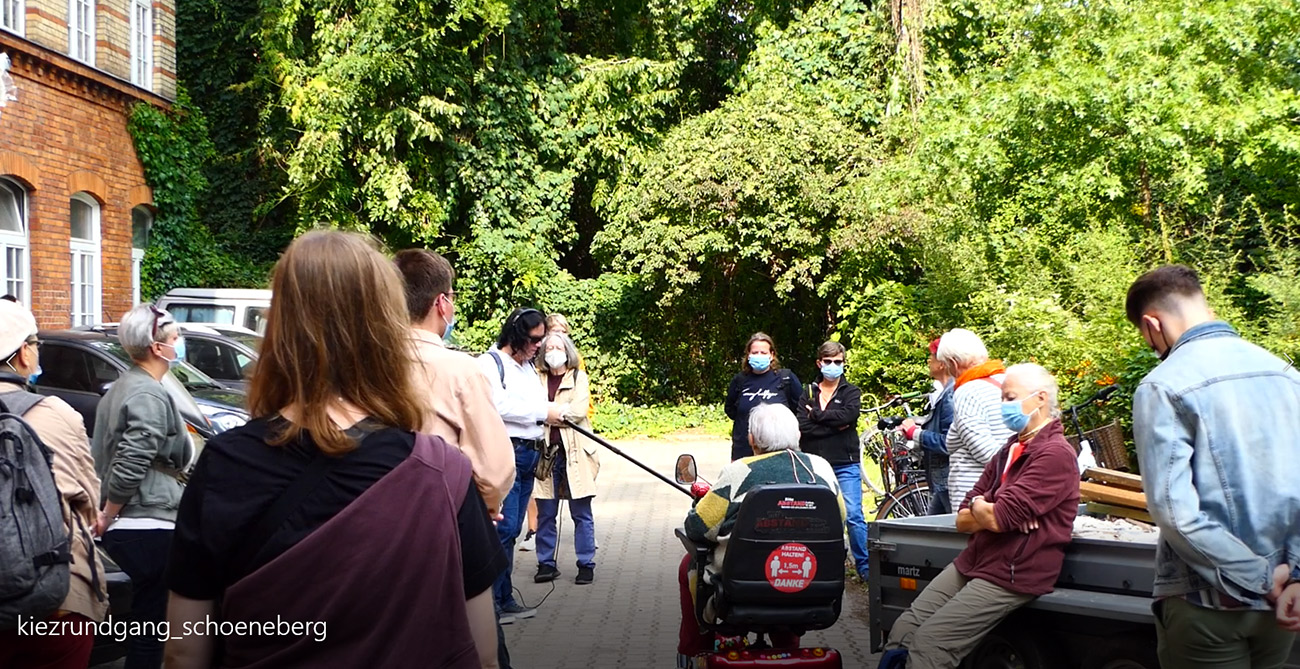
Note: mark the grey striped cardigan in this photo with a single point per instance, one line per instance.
(976, 435)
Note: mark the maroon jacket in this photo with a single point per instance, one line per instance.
(384, 575)
(1044, 485)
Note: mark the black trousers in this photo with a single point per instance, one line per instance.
(142, 554)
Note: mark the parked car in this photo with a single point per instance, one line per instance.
(232, 306)
(228, 359)
(79, 366)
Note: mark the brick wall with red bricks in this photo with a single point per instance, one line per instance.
(66, 134)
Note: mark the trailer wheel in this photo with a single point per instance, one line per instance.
(1129, 654)
(1000, 650)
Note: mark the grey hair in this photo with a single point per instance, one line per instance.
(774, 428)
(961, 348)
(571, 358)
(1041, 380)
(135, 331)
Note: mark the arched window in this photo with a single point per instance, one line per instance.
(13, 240)
(141, 223)
(87, 285)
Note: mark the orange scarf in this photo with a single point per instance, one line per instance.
(980, 371)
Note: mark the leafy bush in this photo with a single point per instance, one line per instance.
(615, 420)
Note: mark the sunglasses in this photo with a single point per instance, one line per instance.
(157, 315)
(536, 340)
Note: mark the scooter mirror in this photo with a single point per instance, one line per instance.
(686, 472)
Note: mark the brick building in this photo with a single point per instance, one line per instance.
(74, 206)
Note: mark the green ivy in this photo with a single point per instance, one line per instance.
(173, 146)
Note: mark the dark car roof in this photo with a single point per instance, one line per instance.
(77, 335)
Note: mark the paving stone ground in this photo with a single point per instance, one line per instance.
(628, 618)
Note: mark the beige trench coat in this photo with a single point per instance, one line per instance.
(582, 462)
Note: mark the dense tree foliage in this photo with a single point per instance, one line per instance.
(676, 174)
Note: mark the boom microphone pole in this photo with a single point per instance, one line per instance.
(592, 436)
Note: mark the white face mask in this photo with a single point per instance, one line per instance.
(556, 359)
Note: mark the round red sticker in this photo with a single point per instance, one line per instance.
(791, 567)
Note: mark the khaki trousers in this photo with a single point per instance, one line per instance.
(949, 618)
(1190, 637)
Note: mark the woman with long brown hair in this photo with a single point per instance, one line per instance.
(327, 527)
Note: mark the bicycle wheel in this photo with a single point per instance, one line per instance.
(871, 451)
(911, 500)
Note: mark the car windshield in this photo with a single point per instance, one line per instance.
(187, 374)
(250, 340)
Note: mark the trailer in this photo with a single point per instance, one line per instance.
(1098, 617)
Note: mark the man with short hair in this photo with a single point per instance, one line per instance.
(457, 397)
(63, 432)
(1217, 428)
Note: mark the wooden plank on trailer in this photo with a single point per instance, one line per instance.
(1114, 478)
(1096, 492)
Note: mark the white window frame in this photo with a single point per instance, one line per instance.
(21, 242)
(81, 30)
(137, 254)
(142, 27)
(13, 16)
(86, 314)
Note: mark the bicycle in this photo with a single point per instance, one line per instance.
(905, 492)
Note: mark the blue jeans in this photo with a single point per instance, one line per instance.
(850, 478)
(584, 526)
(584, 532)
(937, 478)
(513, 509)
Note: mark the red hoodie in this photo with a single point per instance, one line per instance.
(1044, 485)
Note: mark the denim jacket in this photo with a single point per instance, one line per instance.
(1217, 427)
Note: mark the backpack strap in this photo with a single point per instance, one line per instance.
(285, 504)
(501, 369)
(19, 402)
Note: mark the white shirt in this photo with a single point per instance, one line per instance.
(522, 402)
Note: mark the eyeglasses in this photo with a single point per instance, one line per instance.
(33, 341)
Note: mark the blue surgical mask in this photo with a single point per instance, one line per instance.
(832, 371)
(1014, 416)
(31, 378)
(179, 349)
(759, 362)
(446, 333)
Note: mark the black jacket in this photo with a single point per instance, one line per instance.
(779, 386)
(831, 432)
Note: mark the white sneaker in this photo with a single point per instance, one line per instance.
(529, 544)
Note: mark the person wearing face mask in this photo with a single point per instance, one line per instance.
(457, 398)
(761, 381)
(141, 447)
(1217, 428)
(572, 473)
(62, 431)
(976, 432)
(933, 437)
(1020, 514)
(520, 400)
(828, 420)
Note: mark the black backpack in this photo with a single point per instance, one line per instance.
(35, 547)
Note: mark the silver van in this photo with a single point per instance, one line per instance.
(243, 307)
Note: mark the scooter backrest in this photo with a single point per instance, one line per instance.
(786, 549)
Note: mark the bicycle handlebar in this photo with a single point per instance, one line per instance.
(1100, 396)
(893, 402)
